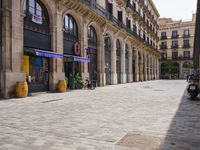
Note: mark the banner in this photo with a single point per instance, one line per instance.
(26, 65)
(37, 19)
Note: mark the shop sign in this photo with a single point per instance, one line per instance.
(26, 65)
(77, 49)
(37, 19)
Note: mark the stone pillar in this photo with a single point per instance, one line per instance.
(84, 46)
(145, 66)
(141, 66)
(181, 69)
(12, 51)
(158, 69)
(148, 67)
(123, 73)
(130, 69)
(56, 65)
(153, 64)
(101, 61)
(136, 65)
(113, 63)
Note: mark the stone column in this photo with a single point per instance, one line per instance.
(56, 72)
(84, 46)
(12, 51)
(113, 63)
(123, 73)
(136, 65)
(158, 69)
(153, 64)
(130, 69)
(101, 61)
(181, 69)
(141, 66)
(145, 66)
(148, 69)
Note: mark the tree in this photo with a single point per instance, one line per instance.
(169, 67)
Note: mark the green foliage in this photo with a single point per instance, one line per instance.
(77, 80)
(169, 67)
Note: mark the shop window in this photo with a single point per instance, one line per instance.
(70, 26)
(118, 47)
(92, 37)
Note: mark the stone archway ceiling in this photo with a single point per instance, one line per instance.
(85, 10)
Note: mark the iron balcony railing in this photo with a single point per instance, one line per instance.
(174, 46)
(163, 47)
(186, 35)
(186, 46)
(102, 11)
(163, 37)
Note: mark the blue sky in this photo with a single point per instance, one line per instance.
(176, 9)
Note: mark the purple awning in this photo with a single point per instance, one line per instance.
(47, 54)
(81, 59)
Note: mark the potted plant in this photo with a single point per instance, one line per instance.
(78, 81)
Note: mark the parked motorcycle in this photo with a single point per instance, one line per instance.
(193, 89)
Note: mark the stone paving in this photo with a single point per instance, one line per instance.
(153, 115)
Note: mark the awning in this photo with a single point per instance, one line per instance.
(78, 58)
(43, 53)
(47, 54)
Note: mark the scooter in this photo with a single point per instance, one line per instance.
(193, 89)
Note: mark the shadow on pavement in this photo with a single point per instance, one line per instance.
(184, 131)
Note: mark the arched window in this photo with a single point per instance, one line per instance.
(126, 51)
(118, 48)
(36, 16)
(92, 36)
(70, 26)
(107, 43)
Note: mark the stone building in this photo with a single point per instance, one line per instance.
(197, 40)
(110, 41)
(176, 44)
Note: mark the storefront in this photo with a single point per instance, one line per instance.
(37, 46)
(118, 61)
(92, 53)
(126, 62)
(108, 60)
(72, 50)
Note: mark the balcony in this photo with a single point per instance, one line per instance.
(163, 47)
(163, 58)
(186, 36)
(175, 58)
(186, 46)
(175, 36)
(163, 37)
(174, 46)
(103, 12)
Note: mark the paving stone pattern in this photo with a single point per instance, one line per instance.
(136, 116)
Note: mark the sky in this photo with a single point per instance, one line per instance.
(176, 9)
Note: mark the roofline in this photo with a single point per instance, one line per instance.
(154, 7)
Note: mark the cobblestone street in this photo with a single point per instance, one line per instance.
(151, 115)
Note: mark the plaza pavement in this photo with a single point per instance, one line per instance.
(153, 115)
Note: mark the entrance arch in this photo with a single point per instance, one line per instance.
(107, 42)
(37, 40)
(126, 62)
(118, 61)
(72, 49)
(92, 47)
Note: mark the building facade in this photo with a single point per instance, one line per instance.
(197, 40)
(43, 41)
(176, 44)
